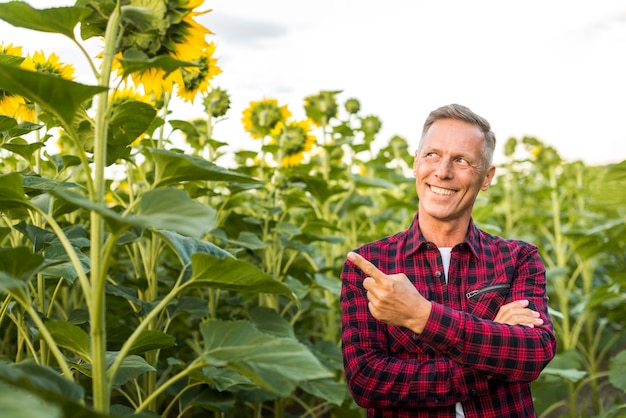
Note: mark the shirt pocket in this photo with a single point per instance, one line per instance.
(485, 302)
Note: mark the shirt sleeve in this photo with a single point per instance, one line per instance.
(378, 379)
(511, 353)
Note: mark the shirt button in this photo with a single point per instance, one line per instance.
(429, 246)
(437, 274)
(473, 393)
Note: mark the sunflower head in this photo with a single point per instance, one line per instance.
(158, 28)
(10, 104)
(294, 141)
(261, 117)
(370, 126)
(352, 106)
(217, 102)
(48, 65)
(321, 107)
(196, 79)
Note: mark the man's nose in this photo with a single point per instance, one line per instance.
(444, 169)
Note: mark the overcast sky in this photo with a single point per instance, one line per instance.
(550, 69)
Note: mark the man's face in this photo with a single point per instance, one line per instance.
(449, 170)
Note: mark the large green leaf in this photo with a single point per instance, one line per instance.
(173, 167)
(274, 363)
(46, 385)
(41, 380)
(173, 209)
(20, 262)
(235, 275)
(61, 20)
(61, 98)
(169, 208)
(327, 389)
(129, 120)
(19, 404)
(70, 336)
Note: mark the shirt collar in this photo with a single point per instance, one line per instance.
(416, 240)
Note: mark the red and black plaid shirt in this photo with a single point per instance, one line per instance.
(462, 355)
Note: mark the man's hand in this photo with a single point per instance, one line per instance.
(392, 298)
(518, 313)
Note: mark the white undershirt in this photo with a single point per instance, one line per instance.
(446, 253)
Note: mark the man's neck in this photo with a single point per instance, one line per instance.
(443, 233)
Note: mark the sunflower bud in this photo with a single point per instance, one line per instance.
(217, 102)
(352, 106)
(322, 107)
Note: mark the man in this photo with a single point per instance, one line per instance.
(443, 319)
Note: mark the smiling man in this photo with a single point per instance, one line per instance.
(444, 319)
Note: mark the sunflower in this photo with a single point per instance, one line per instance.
(196, 79)
(217, 102)
(48, 65)
(174, 33)
(321, 107)
(10, 104)
(261, 117)
(294, 140)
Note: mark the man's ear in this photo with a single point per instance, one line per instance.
(415, 160)
(491, 171)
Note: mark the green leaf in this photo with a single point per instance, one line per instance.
(172, 167)
(327, 389)
(235, 275)
(58, 263)
(113, 219)
(70, 336)
(20, 262)
(247, 240)
(188, 128)
(61, 98)
(43, 184)
(137, 61)
(275, 364)
(269, 321)
(12, 192)
(152, 340)
(617, 370)
(131, 367)
(42, 381)
(173, 209)
(61, 20)
(6, 124)
(372, 182)
(25, 150)
(572, 375)
(128, 122)
(15, 287)
(19, 404)
(186, 246)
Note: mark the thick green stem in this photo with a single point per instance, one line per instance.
(97, 310)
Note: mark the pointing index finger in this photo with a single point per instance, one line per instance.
(368, 268)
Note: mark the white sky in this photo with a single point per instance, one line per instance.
(550, 69)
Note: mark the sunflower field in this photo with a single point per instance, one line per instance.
(146, 271)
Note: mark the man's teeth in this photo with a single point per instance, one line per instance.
(441, 191)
